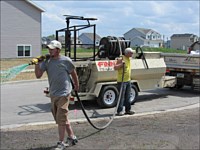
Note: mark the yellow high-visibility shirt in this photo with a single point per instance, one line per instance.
(127, 70)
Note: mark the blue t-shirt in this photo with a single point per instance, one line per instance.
(58, 71)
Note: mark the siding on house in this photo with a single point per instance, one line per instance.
(20, 25)
(143, 37)
(136, 41)
(88, 38)
(182, 41)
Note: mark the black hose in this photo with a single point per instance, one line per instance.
(84, 112)
(141, 55)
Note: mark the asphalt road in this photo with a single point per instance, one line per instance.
(171, 130)
(24, 103)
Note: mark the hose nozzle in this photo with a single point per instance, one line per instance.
(35, 61)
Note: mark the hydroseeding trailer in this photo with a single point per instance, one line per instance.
(97, 76)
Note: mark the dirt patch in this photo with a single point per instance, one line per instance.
(172, 130)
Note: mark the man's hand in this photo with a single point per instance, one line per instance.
(119, 64)
(76, 87)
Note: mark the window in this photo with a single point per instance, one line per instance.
(23, 50)
(27, 50)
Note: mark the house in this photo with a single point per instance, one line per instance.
(78, 42)
(182, 41)
(88, 39)
(144, 37)
(20, 29)
(45, 42)
(62, 41)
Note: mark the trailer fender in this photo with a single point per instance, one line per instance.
(135, 82)
(99, 86)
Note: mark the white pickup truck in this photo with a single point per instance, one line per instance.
(185, 67)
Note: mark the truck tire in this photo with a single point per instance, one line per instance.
(134, 94)
(108, 97)
(179, 86)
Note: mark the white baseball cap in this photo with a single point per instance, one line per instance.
(129, 50)
(54, 44)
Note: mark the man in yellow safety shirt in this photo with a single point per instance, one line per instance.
(125, 97)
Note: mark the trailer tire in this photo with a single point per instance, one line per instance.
(108, 97)
(134, 94)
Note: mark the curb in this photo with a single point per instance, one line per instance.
(23, 81)
(6, 127)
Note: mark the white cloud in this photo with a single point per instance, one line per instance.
(117, 17)
(54, 18)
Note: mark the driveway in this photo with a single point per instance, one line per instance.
(25, 103)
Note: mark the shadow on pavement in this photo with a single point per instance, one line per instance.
(46, 108)
(165, 92)
(33, 109)
(92, 105)
(46, 148)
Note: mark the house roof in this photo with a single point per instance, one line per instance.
(143, 30)
(90, 36)
(183, 35)
(34, 5)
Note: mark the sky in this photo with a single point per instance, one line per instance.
(114, 18)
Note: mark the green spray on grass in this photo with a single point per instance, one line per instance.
(11, 73)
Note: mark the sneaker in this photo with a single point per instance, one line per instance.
(71, 141)
(60, 146)
(120, 114)
(129, 112)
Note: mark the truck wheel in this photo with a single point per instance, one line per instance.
(179, 86)
(108, 97)
(134, 94)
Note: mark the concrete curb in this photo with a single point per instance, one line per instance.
(6, 127)
(23, 81)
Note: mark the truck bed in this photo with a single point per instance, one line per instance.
(182, 61)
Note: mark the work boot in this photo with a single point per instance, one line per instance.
(129, 112)
(71, 141)
(120, 114)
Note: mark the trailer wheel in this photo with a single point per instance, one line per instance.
(134, 94)
(108, 97)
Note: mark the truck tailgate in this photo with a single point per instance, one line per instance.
(184, 61)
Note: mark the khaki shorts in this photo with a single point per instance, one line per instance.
(59, 109)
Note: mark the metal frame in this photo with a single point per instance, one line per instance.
(74, 29)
